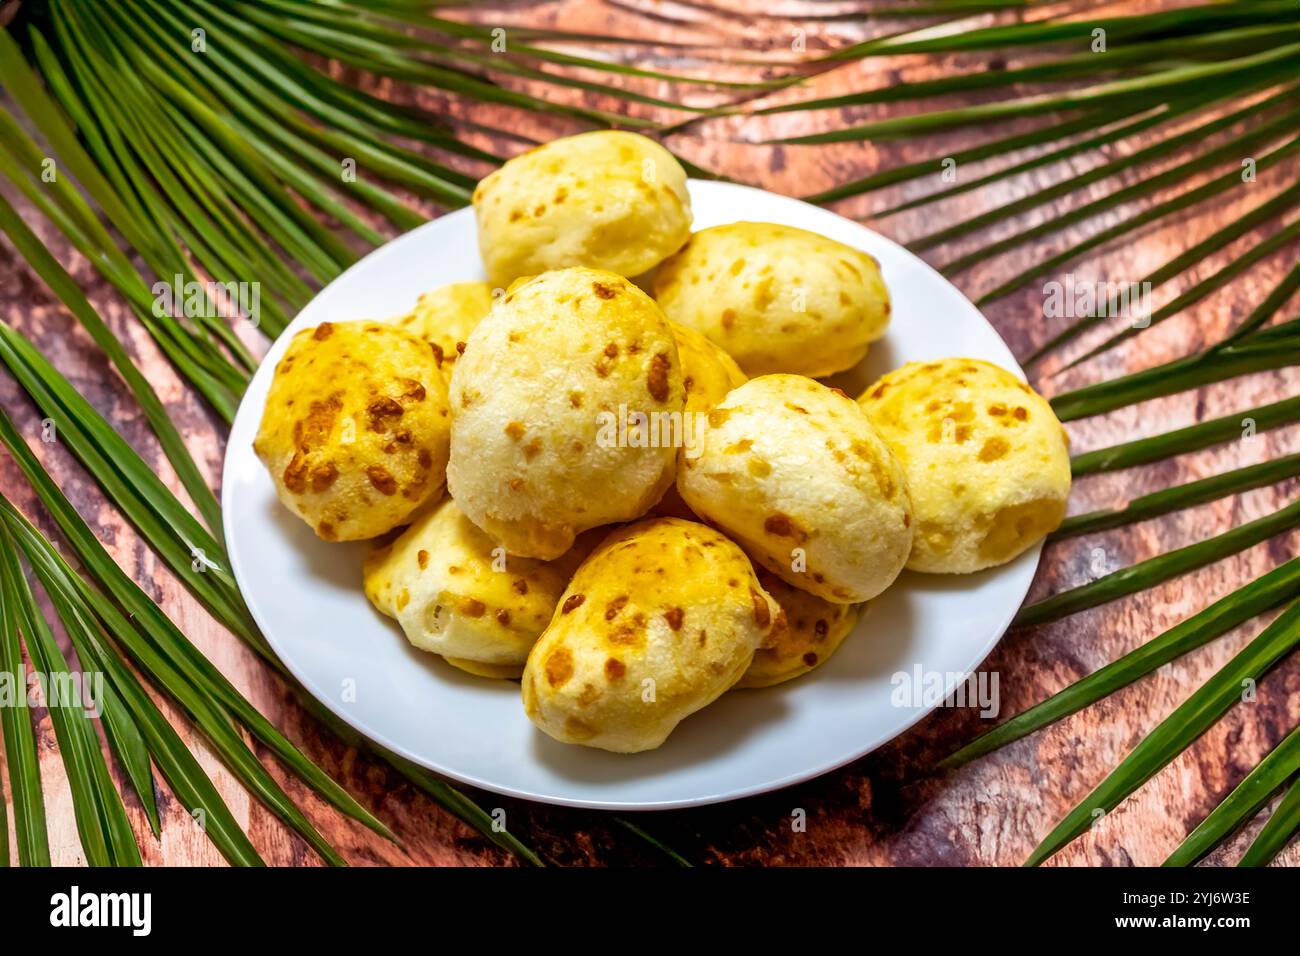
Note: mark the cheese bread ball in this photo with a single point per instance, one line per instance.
(455, 592)
(606, 199)
(708, 373)
(662, 619)
(794, 472)
(538, 453)
(987, 462)
(446, 316)
(814, 630)
(776, 298)
(356, 429)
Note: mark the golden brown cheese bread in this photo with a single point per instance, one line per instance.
(776, 298)
(606, 199)
(538, 397)
(356, 428)
(445, 316)
(456, 593)
(660, 620)
(708, 373)
(813, 631)
(987, 461)
(794, 472)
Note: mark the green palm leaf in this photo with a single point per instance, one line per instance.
(1177, 731)
(20, 743)
(1243, 803)
(1277, 832)
(102, 823)
(1143, 451)
(1280, 585)
(1187, 495)
(1157, 570)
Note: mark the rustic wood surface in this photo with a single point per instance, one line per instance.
(888, 808)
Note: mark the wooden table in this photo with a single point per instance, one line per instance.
(887, 808)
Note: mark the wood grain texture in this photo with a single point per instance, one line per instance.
(888, 808)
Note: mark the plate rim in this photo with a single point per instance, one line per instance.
(228, 482)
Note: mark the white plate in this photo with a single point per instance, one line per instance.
(306, 594)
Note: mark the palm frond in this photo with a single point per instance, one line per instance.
(1189, 495)
(1171, 564)
(1277, 587)
(1242, 803)
(1177, 731)
(19, 739)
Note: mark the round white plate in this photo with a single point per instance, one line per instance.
(306, 594)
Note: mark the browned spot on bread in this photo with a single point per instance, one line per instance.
(614, 606)
(323, 476)
(780, 525)
(437, 354)
(503, 617)
(674, 617)
(559, 666)
(657, 380)
(602, 290)
(382, 408)
(323, 331)
(295, 473)
(728, 318)
(472, 607)
(572, 602)
(520, 586)
(382, 480)
(403, 598)
(762, 613)
(614, 668)
(810, 659)
(1020, 413)
(422, 558)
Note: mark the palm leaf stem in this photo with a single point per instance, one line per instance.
(1188, 495)
(1149, 573)
(1216, 364)
(1142, 451)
